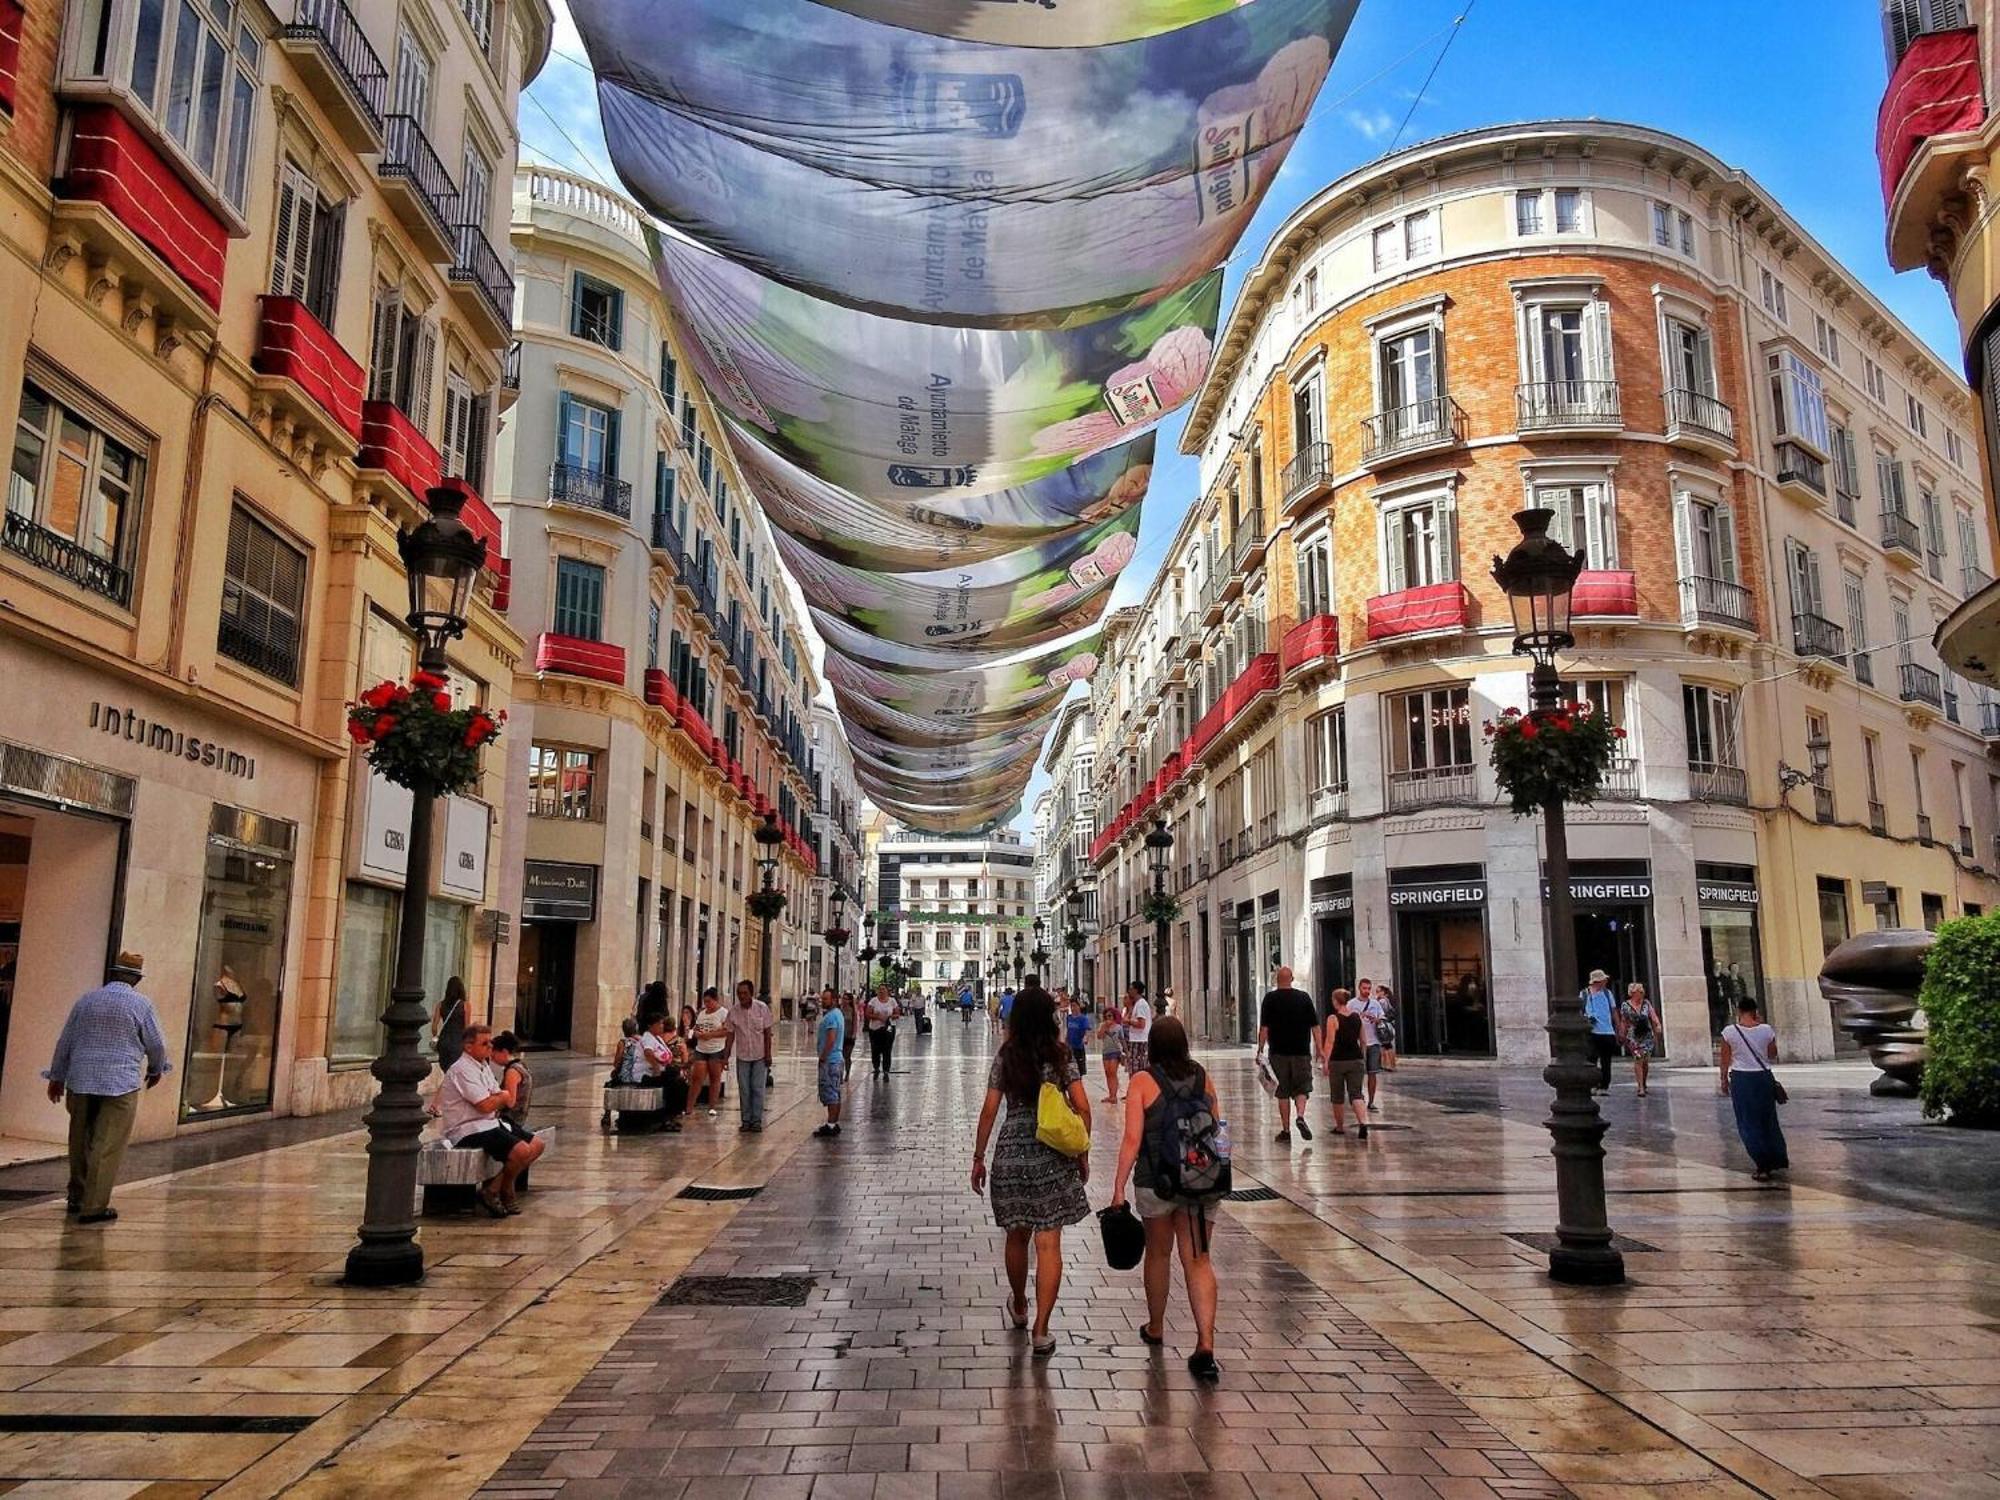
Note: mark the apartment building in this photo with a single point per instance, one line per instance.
(837, 886)
(1938, 143)
(1778, 495)
(254, 317)
(661, 702)
(952, 906)
(1069, 762)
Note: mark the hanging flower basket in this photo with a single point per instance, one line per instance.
(1074, 940)
(415, 738)
(1552, 755)
(764, 905)
(837, 936)
(1160, 908)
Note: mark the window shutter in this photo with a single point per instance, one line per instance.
(421, 381)
(383, 347)
(611, 445)
(1394, 530)
(479, 416)
(323, 277)
(1445, 533)
(1796, 564)
(1725, 541)
(564, 454)
(1597, 338)
(292, 247)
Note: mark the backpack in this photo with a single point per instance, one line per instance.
(1186, 1148)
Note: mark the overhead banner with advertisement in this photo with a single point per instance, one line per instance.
(956, 181)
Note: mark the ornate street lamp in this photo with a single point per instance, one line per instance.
(1073, 936)
(868, 954)
(1159, 840)
(769, 902)
(836, 937)
(1020, 959)
(442, 559)
(1040, 955)
(1538, 577)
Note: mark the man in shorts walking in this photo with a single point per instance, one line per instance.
(831, 1035)
(1287, 1024)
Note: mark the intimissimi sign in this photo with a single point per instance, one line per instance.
(164, 738)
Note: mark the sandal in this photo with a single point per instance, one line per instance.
(1018, 1319)
(1156, 1340)
(1043, 1348)
(493, 1206)
(1202, 1365)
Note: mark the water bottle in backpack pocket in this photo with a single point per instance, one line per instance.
(1186, 1148)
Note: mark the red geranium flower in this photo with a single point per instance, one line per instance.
(441, 702)
(383, 725)
(1528, 730)
(358, 732)
(379, 695)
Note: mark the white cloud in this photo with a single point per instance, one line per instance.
(1370, 124)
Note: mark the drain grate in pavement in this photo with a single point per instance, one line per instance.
(738, 1291)
(717, 1194)
(1548, 1242)
(1254, 1195)
(205, 1422)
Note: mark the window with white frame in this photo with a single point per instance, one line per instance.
(1690, 358)
(73, 494)
(1826, 339)
(1663, 225)
(1419, 544)
(306, 241)
(1410, 239)
(1802, 576)
(1773, 291)
(1931, 511)
(1854, 586)
(1430, 732)
(1605, 696)
(402, 357)
(1410, 377)
(468, 415)
(1798, 399)
(1704, 538)
(1874, 381)
(1954, 448)
(1308, 412)
(415, 71)
(189, 71)
(1528, 216)
(1387, 240)
(1584, 520)
(1968, 548)
(1891, 484)
(1846, 470)
(1316, 577)
(1709, 715)
(1900, 630)
(1565, 351)
(1326, 751)
(1914, 416)
(1539, 211)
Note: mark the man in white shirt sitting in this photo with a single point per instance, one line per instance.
(470, 1102)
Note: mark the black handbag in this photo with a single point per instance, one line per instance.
(1124, 1236)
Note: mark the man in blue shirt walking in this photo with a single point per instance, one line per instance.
(1597, 1005)
(111, 1030)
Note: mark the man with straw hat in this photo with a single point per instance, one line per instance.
(111, 1030)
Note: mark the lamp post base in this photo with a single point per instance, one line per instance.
(395, 1263)
(1575, 1265)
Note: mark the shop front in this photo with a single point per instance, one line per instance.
(1732, 957)
(1613, 909)
(1443, 994)
(556, 900)
(1331, 905)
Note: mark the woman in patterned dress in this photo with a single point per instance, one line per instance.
(1037, 1192)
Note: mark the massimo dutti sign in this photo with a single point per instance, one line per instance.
(136, 729)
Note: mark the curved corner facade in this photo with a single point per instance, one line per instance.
(662, 698)
(1777, 492)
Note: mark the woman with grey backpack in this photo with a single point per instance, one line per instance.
(1176, 1155)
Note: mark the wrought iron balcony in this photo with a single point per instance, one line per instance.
(1434, 786)
(1816, 635)
(1329, 803)
(1247, 545)
(1901, 534)
(61, 555)
(415, 179)
(666, 539)
(1710, 781)
(1436, 423)
(1800, 472)
(1920, 684)
(340, 68)
(1545, 405)
(1972, 579)
(1621, 780)
(1693, 417)
(592, 489)
(1716, 601)
(479, 269)
(1989, 718)
(1309, 475)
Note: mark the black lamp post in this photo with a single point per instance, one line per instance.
(442, 559)
(1159, 840)
(1040, 955)
(1073, 914)
(837, 936)
(1537, 577)
(867, 954)
(768, 838)
(1020, 959)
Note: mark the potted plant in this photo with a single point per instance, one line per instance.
(1551, 755)
(1961, 1004)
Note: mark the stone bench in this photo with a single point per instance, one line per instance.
(448, 1177)
(620, 1099)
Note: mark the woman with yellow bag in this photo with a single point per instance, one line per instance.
(1042, 1158)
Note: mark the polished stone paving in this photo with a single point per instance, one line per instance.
(1384, 1330)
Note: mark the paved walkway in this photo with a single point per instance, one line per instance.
(1386, 1329)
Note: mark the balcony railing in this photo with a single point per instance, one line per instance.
(1798, 469)
(1901, 534)
(1920, 684)
(593, 489)
(479, 266)
(60, 555)
(1715, 601)
(1816, 635)
(1709, 781)
(1972, 579)
(1438, 422)
(1544, 404)
(1621, 780)
(510, 368)
(1864, 667)
(407, 156)
(1989, 718)
(1247, 545)
(1309, 473)
(1432, 787)
(1878, 817)
(1329, 803)
(1846, 502)
(330, 26)
(665, 538)
(1691, 414)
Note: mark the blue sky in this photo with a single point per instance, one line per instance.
(1786, 92)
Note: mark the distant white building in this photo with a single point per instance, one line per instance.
(957, 908)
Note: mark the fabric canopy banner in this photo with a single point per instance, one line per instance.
(949, 180)
(1028, 597)
(908, 535)
(1038, 23)
(954, 678)
(899, 410)
(946, 726)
